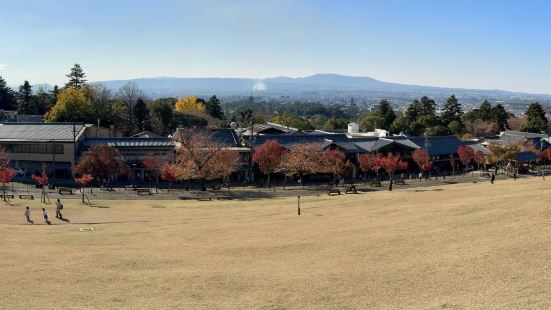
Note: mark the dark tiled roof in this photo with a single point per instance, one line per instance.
(526, 156)
(130, 142)
(289, 140)
(442, 145)
(39, 131)
(525, 135)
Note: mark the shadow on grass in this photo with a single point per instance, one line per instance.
(429, 190)
(101, 207)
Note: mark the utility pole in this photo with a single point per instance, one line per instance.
(298, 205)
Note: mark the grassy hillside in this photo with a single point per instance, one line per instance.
(460, 246)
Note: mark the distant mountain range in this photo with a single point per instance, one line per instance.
(315, 85)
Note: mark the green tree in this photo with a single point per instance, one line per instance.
(536, 121)
(162, 112)
(401, 124)
(335, 123)
(7, 96)
(384, 110)
(452, 111)
(485, 111)
(437, 130)
(76, 77)
(42, 101)
(456, 127)
(73, 104)
(141, 115)
(413, 111)
(372, 121)
(213, 108)
(500, 117)
(25, 100)
(427, 106)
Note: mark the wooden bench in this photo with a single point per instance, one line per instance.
(130, 187)
(375, 184)
(26, 196)
(64, 190)
(7, 196)
(402, 182)
(485, 174)
(333, 191)
(224, 197)
(141, 191)
(204, 198)
(351, 189)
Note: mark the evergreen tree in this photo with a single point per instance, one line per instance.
(25, 102)
(163, 114)
(141, 115)
(385, 111)
(452, 111)
(485, 111)
(427, 106)
(412, 111)
(76, 77)
(7, 97)
(535, 119)
(213, 108)
(500, 117)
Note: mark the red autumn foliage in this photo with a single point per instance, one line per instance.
(303, 159)
(101, 161)
(201, 157)
(334, 162)
(268, 157)
(370, 163)
(6, 175)
(84, 179)
(391, 164)
(466, 154)
(545, 155)
(170, 173)
(422, 159)
(479, 158)
(41, 179)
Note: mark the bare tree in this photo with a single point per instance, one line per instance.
(128, 95)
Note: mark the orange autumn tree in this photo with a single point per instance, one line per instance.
(6, 173)
(391, 164)
(154, 166)
(479, 158)
(335, 163)
(370, 163)
(302, 159)
(422, 159)
(82, 181)
(42, 181)
(170, 173)
(268, 157)
(201, 158)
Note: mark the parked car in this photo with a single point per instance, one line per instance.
(469, 168)
(19, 171)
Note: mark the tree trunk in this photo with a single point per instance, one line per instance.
(82, 190)
(390, 183)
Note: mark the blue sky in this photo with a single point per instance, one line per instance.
(473, 44)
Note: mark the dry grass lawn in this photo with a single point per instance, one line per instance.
(459, 246)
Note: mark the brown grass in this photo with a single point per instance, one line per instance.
(459, 246)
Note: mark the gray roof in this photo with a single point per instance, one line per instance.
(39, 132)
(522, 134)
(159, 142)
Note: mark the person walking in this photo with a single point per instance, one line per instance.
(45, 215)
(28, 214)
(58, 208)
(492, 178)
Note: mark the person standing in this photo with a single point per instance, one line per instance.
(45, 215)
(28, 214)
(58, 208)
(492, 178)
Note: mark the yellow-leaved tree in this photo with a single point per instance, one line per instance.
(73, 104)
(189, 104)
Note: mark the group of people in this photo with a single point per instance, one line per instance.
(58, 215)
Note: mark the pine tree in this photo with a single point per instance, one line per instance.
(500, 117)
(25, 102)
(427, 106)
(7, 97)
(213, 108)
(385, 111)
(452, 111)
(485, 111)
(412, 111)
(535, 119)
(141, 115)
(76, 77)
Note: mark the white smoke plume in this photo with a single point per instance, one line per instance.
(259, 86)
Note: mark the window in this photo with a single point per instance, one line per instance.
(35, 148)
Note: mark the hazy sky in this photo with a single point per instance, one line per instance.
(475, 44)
